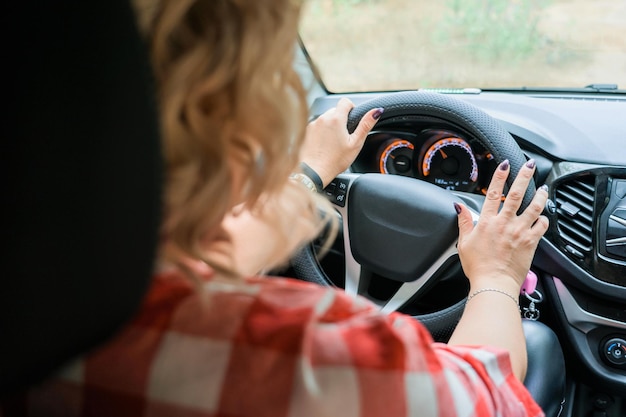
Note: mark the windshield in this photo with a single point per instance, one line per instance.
(366, 45)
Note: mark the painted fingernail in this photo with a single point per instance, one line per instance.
(544, 187)
(379, 111)
(504, 165)
(530, 164)
(457, 208)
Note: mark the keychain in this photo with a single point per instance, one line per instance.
(529, 288)
(532, 312)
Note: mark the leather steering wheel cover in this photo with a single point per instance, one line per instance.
(307, 267)
(479, 124)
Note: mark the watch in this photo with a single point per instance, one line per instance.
(313, 176)
(305, 180)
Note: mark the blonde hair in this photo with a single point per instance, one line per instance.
(226, 86)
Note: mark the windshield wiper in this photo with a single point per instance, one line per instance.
(602, 87)
(591, 88)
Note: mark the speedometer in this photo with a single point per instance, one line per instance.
(396, 157)
(450, 163)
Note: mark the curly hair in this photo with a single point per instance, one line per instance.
(227, 88)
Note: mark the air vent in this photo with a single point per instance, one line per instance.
(574, 201)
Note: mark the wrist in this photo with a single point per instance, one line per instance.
(325, 173)
(312, 175)
(514, 297)
(502, 281)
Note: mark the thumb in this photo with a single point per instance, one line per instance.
(466, 223)
(367, 123)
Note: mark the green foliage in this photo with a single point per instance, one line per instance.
(493, 30)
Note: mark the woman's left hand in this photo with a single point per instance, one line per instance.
(328, 147)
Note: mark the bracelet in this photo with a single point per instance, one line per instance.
(306, 181)
(475, 293)
(313, 176)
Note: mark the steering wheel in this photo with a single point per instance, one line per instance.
(402, 228)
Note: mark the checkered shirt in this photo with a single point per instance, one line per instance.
(280, 348)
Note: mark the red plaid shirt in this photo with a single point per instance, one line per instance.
(280, 348)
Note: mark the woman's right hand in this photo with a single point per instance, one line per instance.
(498, 250)
(328, 147)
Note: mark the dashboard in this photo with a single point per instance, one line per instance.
(579, 143)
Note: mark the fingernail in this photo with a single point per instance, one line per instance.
(530, 164)
(544, 187)
(379, 111)
(457, 208)
(504, 165)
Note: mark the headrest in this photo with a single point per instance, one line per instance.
(80, 175)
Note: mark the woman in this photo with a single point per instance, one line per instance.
(210, 342)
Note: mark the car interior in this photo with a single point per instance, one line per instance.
(428, 150)
(81, 169)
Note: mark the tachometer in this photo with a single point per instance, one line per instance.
(396, 157)
(450, 163)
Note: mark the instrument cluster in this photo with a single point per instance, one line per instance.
(439, 156)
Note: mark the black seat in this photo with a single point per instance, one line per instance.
(80, 170)
(545, 376)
